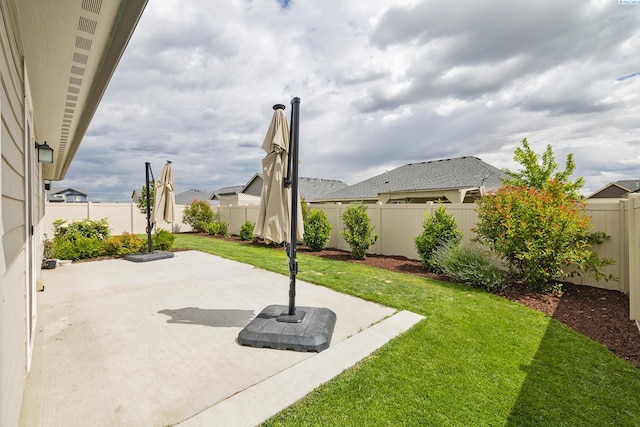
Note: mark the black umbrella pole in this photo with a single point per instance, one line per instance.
(149, 244)
(293, 149)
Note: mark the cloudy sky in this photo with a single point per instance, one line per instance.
(382, 83)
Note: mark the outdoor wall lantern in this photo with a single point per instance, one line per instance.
(45, 153)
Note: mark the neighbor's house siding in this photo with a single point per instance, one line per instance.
(254, 188)
(239, 199)
(13, 264)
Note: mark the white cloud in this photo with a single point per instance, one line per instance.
(382, 83)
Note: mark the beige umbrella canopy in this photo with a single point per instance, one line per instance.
(273, 222)
(164, 197)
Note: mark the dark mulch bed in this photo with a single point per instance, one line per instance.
(600, 314)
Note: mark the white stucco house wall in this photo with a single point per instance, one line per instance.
(56, 59)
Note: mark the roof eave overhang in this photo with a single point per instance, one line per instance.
(346, 200)
(71, 50)
(454, 194)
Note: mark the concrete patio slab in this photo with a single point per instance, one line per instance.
(154, 344)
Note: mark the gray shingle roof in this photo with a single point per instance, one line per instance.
(630, 185)
(228, 190)
(309, 188)
(314, 188)
(67, 190)
(460, 172)
(189, 196)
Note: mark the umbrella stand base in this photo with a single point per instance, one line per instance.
(312, 334)
(148, 256)
(291, 318)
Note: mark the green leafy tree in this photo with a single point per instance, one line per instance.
(544, 234)
(304, 208)
(358, 231)
(317, 230)
(142, 200)
(440, 229)
(538, 171)
(198, 214)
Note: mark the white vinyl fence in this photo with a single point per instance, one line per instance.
(397, 225)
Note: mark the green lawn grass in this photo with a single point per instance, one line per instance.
(475, 360)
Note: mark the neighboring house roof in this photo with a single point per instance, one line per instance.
(616, 190)
(189, 196)
(314, 188)
(461, 173)
(224, 191)
(68, 191)
(67, 194)
(309, 188)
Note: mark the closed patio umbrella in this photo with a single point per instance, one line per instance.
(164, 197)
(273, 221)
(163, 206)
(280, 219)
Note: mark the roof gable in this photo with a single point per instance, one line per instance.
(629, 184)
(616, 190)
(68, 191)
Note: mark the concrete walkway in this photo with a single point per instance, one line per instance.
(154, 344)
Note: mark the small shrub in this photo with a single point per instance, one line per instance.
(198, 214)
(86, 228)
(216, 228)
(223, 229)
(211, 228)
(440, 229)
(246, 231)
(80, 239)
(358, 231)
(123, 245)
(80, 248)
(162, 240)
(470, 265)
(317, 230)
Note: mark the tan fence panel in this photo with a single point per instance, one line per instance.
(119, 216)
(122, 217)
(64, 211)
(610, 218)
(397, 226)
(333, 214)
(236, 216)
(634, 257)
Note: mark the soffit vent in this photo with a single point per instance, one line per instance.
(80, 58)
(77, 70)
(87, 25)
(92, 6)
(83, 43)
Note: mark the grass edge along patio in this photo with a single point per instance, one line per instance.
(476, 359)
